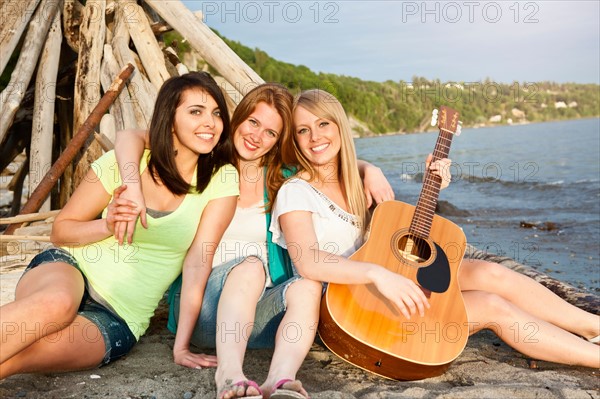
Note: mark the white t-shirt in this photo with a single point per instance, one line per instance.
(245, 236)
(337, 231)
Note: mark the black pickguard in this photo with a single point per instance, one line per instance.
(435, 277)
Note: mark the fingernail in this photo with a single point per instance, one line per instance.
(198, 368)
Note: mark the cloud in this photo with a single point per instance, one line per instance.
(449, 40)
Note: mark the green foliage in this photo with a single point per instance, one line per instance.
(174, 39)
(406, 106)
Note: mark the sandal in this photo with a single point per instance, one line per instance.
(245, 384)
(281, 393)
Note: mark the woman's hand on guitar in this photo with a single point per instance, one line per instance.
(402, 292)
(440, 168)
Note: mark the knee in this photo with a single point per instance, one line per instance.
(478, 274)
(60, 306)
(249, 273)
(304, 292)
(498, 311)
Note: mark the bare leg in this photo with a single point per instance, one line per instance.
(235, 316)
(46, 300)
(528, 295)
(526, 333)
(79, 346)
(295, 334)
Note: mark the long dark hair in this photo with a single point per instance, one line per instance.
(161, 164)
(278, 97)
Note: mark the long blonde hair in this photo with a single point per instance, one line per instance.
(326, 106)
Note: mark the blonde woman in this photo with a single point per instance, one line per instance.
(320, 216)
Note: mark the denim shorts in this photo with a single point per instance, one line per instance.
(118, 338)
(270, 310)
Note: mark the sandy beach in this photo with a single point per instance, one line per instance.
(487, 368)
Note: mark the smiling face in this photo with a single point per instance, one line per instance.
(258, 133)
(318, 138)
(198, 124)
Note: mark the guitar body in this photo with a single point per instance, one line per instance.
(362, 327)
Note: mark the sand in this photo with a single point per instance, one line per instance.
(487, 368)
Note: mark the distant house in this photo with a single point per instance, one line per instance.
(496, 119)
(517, 113)
(560, 104)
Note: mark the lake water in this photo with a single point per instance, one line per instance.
(545, 174)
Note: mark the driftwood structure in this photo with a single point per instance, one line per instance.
(62, 57)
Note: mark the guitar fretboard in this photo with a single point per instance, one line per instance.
(428, 199)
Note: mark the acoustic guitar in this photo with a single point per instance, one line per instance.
(361, 326)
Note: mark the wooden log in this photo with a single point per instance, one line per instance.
(16, 140)
(138, 96)
(172, 56)
(108, 128)
(104, 142)
(208, 44)
(32, 217)
(158, 28)
(42, 191)
(15, 16)
(87, 79)
(232, 96)
(142, 99)
(64, 113)
(122, 109)
(171, 60)
(40, 152)
(16, 186)
(7, 238)
(11, 97)
(111, 7)
(122, 11)
(152, 15)
(147, 47)
(72, 14)
(38, 229)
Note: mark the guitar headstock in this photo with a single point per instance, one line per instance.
(447, 120)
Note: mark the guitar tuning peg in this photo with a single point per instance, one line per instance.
(434, 117)
(458, 128)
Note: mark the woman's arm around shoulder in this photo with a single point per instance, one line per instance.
(129, 148)
(377, 187)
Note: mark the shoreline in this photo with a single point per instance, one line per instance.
(484, 126)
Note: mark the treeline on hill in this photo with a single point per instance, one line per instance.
(406, 106)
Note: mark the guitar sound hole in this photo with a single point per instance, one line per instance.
(414, 249)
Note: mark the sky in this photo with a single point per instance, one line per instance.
(454, 41)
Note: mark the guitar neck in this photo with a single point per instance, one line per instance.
(428, 199)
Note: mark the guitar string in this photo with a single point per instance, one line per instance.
(425, 211)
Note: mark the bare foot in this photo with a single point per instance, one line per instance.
(288, 389)
(241, 389)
